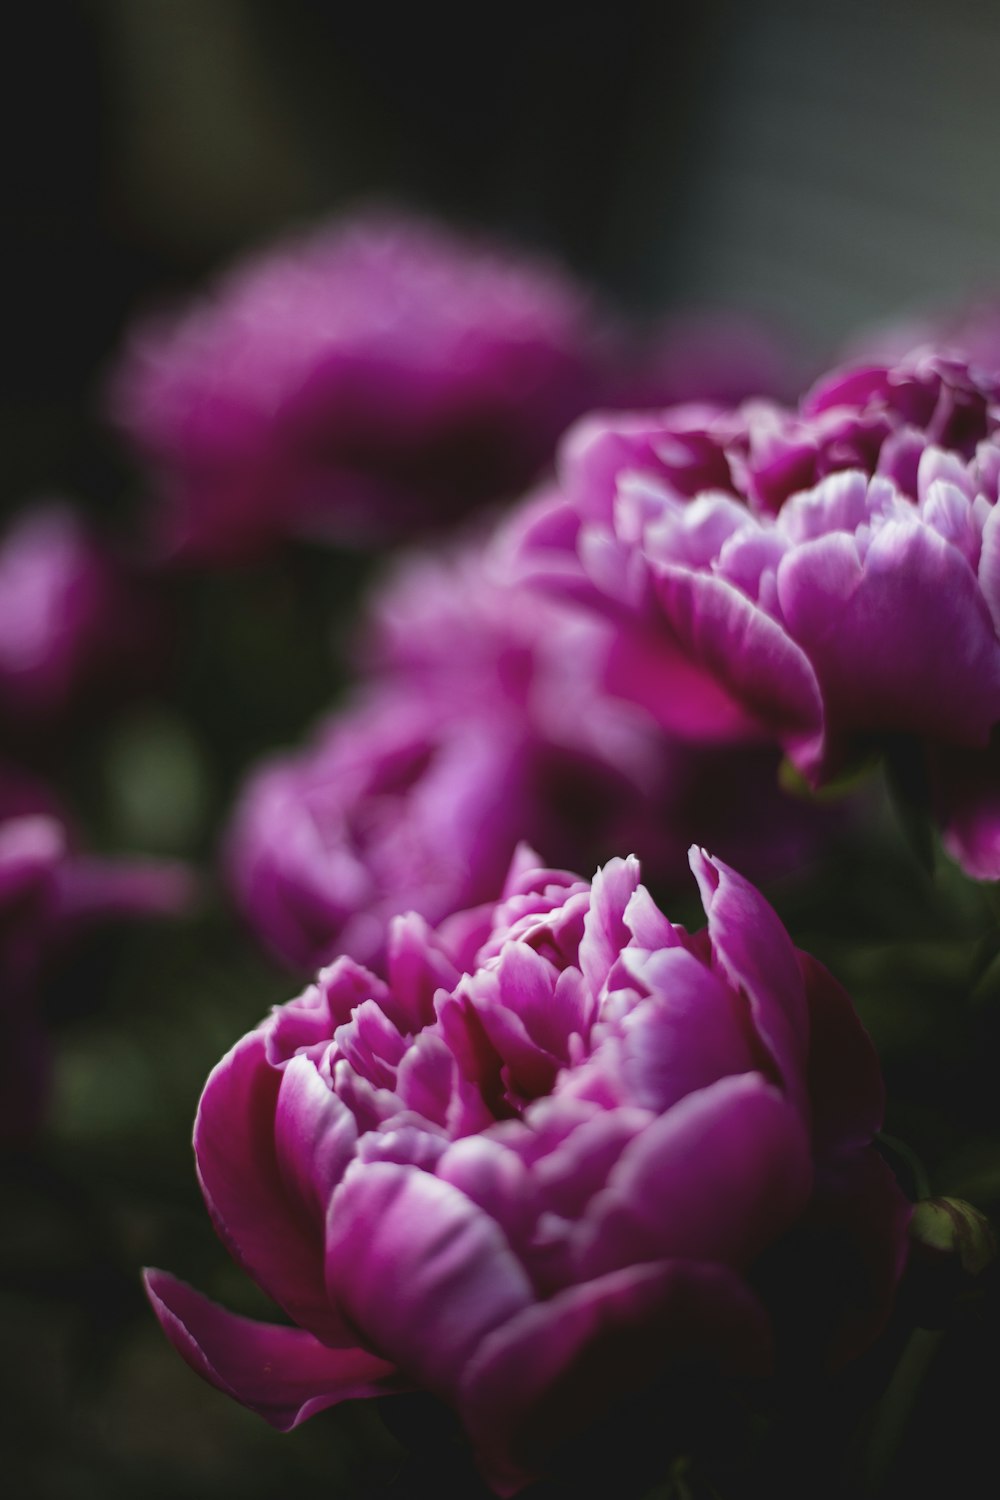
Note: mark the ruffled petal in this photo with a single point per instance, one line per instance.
(266, 1227)
(422, 1272)
(901, 638)
(604, 931)
(691, 1031)
(750, 656)
(314, 1137)
(756, 955)
(718, 1177)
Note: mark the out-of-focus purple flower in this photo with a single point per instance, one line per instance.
(66, 616)
(821, 581)
(538, 1165)
(484, 722)
(372, 379)
(49, 895)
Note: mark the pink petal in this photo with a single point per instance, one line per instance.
(283, 1374)
(901, 640)
(422, 1272)
(264, 1225)
(314, 1137)
(604, 931)
(750, 657)
(718, 1177)
(756, 955)
(690, 1032)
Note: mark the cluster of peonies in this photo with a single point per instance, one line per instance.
(825, 579)
(484, 722)
(538, 1165)
(49, 895)
(532, 1154)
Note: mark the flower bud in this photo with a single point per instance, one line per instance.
(950, 1244)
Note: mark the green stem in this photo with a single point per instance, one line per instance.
(893, 1412)
(918, 1176)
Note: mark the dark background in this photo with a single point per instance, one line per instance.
(819, 166)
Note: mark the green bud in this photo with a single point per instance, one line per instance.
(951, 1244)
(949, 1227)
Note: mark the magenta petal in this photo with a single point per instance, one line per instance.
(689, 1032)
(845, 1080)
(901, 640)
(418, 966)
(718, 1177)
(604, 929)
(314, 1136)
(750, 656)
(647, 667)
(493, 1178)
(422, 1272)
(570, 1172)
(266, 1228)
(283, 1374)
(756, 956)
(561, 1364)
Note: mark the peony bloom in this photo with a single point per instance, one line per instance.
(62, 610)
(50, 894)
(484, 722)
(373, 379)
(824, 581)
(541, 1164)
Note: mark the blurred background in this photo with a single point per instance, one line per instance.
(819, 167)
(822, 166)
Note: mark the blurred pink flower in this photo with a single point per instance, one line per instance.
(374, 378)
(67, 617)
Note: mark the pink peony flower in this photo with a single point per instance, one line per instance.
(821, 580)
(375, 378)
(539, 1164)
